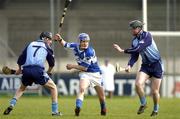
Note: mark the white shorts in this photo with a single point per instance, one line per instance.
(93, 79)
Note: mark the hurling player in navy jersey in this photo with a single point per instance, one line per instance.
(31, 65)
(90, 74)
(151, 67)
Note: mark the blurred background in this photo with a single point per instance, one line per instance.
(106, 21)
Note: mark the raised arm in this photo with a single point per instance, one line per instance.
(59, 38)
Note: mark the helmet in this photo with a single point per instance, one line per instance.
(83, 36)
(46, 34)
(135, 23)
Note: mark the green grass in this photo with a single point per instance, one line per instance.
(118, 108)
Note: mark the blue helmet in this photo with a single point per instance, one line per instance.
(83, 36)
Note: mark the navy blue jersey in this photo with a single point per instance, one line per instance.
(86, 58)
(36, 53)
(146, 47)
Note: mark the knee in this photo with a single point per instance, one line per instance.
(54, 87)
(155, 92)
(138, 84)
(82, 90)
(81, 93)
(22, 88)
(102, 97)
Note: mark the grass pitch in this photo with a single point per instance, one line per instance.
(118, 108)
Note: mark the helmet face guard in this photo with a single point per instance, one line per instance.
(46, 34)
(83, 37)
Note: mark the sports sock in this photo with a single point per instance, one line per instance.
(78, 103)
(54, 107)
(13, 102)
(156, 108)
(143, 100)
(103, 105)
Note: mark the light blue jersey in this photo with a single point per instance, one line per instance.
(151, 52)
(36, 53)
(86, 58)
(146, 47)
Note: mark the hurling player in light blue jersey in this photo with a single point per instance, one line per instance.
(151, 68)
(31, 65)
(90, 74)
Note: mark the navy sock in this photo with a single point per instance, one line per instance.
(78, 103)
(103, 105)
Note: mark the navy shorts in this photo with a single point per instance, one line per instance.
(34, 74)
(153, 70)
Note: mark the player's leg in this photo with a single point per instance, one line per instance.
(101, 95)
(18, 94)
(54, 94)
(83, 85)
(110, 94)
(25, 82)
(42, 78)
(13, 101)
(156, 82)
(139, 83)
(157, 72)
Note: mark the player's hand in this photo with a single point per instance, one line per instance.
(69, 66)
(128, 69)
(118, 48)
(19, 71)
(57, 37)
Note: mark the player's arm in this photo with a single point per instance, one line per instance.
(133, 58)
(145, 42)
(85, 63)
(19, 70)
(83, 66)
(118, 48)
(59, 38)
(49, 71)
(64, 43)
(77, 67)
(142, 44)
(50, 59)
(21, 60)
